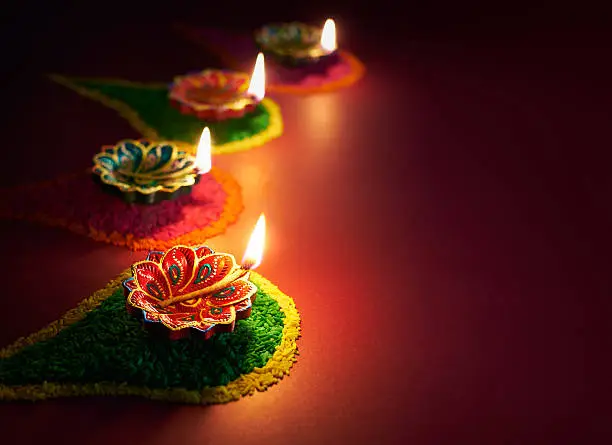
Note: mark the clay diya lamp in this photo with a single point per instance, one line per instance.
(193, 291)
(145, 172)
(299, 45)
(216, 95)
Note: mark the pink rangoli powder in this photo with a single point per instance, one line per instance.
(78, 200)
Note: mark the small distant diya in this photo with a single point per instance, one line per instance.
(189, 291)
(216, 95)
(298, 44)
(146, 172)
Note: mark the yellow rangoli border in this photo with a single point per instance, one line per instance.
(260, 379)
(272, 131)
(232, 207)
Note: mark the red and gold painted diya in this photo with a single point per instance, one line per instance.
(215, 95)
(189, 291)
(193, 290)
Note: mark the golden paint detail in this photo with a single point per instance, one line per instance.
(295, 39)
(176, 172)
(162, 302)
(273, 131)
(231, 209)
(260, 379)
(235, 275)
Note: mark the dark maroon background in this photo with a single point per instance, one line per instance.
(444, 226)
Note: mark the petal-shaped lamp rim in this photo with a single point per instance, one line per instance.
(103, 174)
(242, 102)
(228, 326)
(312, 52)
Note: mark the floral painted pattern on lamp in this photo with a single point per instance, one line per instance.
(188, 290)
(216, 95)
(148, 172)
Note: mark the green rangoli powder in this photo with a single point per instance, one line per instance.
(109, 345)
(154, 108)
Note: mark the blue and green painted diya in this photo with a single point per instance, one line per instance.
(144, 172)
(292, 44)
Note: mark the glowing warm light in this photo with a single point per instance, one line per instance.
(203, 159)
(254, 251)
(328, 36)
(257, 87)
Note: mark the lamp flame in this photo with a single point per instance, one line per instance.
(203, 158)
(257, 87)
(254, 251)
(328, 36)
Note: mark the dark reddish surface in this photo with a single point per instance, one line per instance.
(454, 208)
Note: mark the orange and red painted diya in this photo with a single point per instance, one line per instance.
(213, 95)
(189, 291)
